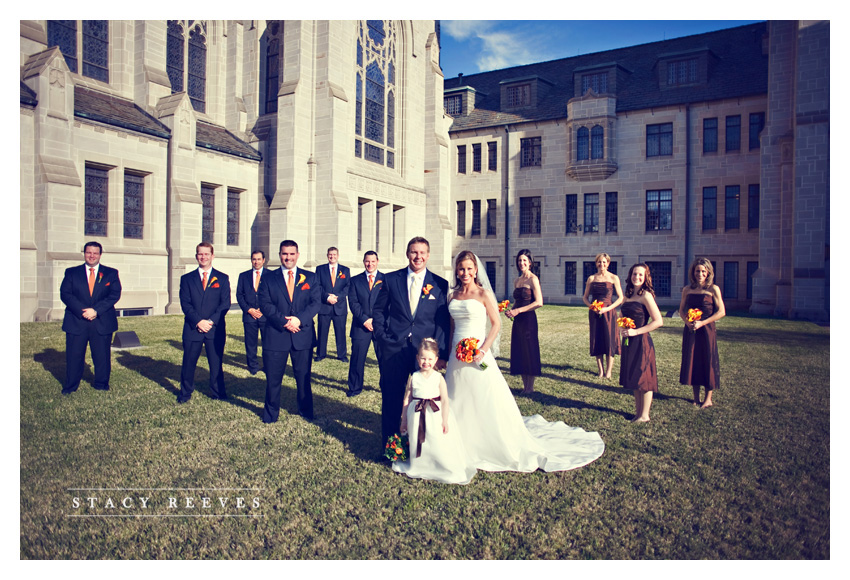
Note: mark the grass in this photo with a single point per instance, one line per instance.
(746, 479)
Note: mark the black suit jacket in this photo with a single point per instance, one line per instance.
(361, 301)
(74, 293)
(199, 304)
(395, 326)
(340, 288)
(276, 306)
(246, 296)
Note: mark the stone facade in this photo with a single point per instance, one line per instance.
(276, 151)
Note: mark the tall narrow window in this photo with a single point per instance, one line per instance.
(588, 270)
(490, 269)
(730, 280)
(273, 75)
(375, 73)
(492, 156)
(461, 218)
(197, 70)
(134, 206)
(461, 158)
(582, 144)
(597, 142)
(207, 213)
(63, 33)
(476, 218)
(733, 133)
(476, 157)
(569, 278)
(174, 65)
(733, 207)
(659, 140)
(659, 210)
(97, 201)
(709, 208)
(232, 217)
(611, 212)
(530, 152)
(591, 212)
(529, 215)
(572, 213)
(709, 135)
(756, 125)
(491, 217)
(95, 45)
(753, 207)
(360, 226)
(188, 73)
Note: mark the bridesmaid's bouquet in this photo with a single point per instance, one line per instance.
(694, 314)
(597, 306)
(505, 305)
(466, 351)
(397, 448)
(625, 322)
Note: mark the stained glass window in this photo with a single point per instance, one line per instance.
(197, 73)
(189, 74)
(134, 206)
(272, 75)
(97, 201)
(208, 213)
(232, 217)
(374, 118)
(96, 49)
(174, 56)
(63, 33)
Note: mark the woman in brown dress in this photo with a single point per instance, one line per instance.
(637, 359)
(604, 338)
(525, 346)
(700, 363)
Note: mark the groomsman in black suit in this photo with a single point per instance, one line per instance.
(334, 279)
(253, 320)
(89, 292)
(205, 299)
(411, 305)
(362, 294)
(289, 299)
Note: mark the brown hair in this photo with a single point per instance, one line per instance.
(709, 279)
(418, 240)
(647, 282)
(429, 344)
(205, 245)
(466, 255)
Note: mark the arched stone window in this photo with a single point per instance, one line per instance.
(95, 45)
(582, 144)
(375, 92)
(597, 147)
(190, 72)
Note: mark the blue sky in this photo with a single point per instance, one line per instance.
(472, 46)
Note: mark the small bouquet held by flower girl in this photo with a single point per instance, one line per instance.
(466, 351)
(397, 448)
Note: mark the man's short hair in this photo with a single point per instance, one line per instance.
(370, 253)
(94, 245)
(205, 245)
(288, 244)
(418, 240)
(262, 253)
(332, 249)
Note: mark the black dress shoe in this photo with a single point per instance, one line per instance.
(318, 358)
(182, 401)
(352, 393)
(106, 388)
(343, 358)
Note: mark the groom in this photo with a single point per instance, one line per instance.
(412, 305)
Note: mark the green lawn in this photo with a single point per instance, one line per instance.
(746, 479)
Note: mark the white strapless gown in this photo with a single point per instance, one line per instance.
(496, 436)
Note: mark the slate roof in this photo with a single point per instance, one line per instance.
(28, 96)
(111, 110)
(738, 69)
(221, 140)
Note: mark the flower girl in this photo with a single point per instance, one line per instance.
(436, 449)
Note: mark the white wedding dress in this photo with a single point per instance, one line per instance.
(495, 435)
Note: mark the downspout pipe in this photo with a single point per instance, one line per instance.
(506, 199)
(687, 190)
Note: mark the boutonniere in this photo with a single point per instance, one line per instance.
(426, 290)
(305, 287)
(301, 278)
(376, 283)
(341, 275)
(100, 277)
(108, 283)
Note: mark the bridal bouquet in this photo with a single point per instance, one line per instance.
(625, 322)
(466, 351)
(597, 306)
(397, 448)
(694, 314)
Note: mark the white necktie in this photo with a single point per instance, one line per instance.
(414, 294)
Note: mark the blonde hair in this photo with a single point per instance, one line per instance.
(429, 344)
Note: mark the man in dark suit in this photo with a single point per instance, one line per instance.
(205, 299)
(253, 320)
(89, 292)
(362, 294)
(333, 278)
(411, 305)
(289, 299)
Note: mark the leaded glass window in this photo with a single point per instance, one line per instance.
(733, 133)
(582, 144)
(659, 139)
(597, 146)
(662, 279)
(476, 218)
(174, 56)
(611, 213)
(208, 213)
(733, 207)
(374, 119)
(529, 215)
(491, 217)
(197, 73)
(272, 75)
(63, 33)
(96, 49)
(659, 210)
(569, 277)
(186, 60)
(572, 214)
(709, 208)
(97, 201)
(591, 212)
(709, 135)
(232, 217)
(134, 206)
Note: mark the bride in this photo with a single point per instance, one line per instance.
(496, 436)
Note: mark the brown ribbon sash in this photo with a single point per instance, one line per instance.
(420, 408)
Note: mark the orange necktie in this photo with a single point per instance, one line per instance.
(371, 278)
(204, 280)
(91, 281)
(256, 280)
(333, 276)
(290, 284)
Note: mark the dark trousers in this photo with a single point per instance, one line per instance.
(75, 355)
(359, 350)
(339, 333)
(252, 329)
(275, 364)
(214, 348)
(395, 370)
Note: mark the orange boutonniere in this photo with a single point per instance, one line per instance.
(376, 283)
(426, 290)
(108, 283)
(341, 276)
(301, 278)
(100, 277)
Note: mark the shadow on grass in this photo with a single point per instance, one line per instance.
(53, 362)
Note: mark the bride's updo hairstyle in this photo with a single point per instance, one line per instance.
(466, 255)
(429, 344)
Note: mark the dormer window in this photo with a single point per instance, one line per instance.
(682, 72)
(597, 82)
(519, 95)
(683, 69)
(453, 105)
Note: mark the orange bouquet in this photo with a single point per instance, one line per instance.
(466, 351)
(505, 305)
(694, 314)
(625, 322)
(397, 448)
(597, 306)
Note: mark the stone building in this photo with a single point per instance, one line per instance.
(712, 145)
(151, 136)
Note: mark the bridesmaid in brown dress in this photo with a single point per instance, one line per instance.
(700, 363)
(604, 338)
(525, 346)
(637, 360)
